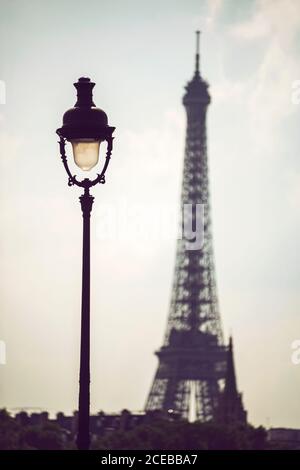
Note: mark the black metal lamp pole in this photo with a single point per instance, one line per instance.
(86, 201)
(85, 126)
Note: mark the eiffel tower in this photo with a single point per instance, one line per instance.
(192, 360)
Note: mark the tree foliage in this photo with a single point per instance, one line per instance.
(166, 435)
(14, 436)
(156, 434)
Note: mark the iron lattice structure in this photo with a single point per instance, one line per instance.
(193, 357)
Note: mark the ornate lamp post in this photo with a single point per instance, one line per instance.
(85, 127)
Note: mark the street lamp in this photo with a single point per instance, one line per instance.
(85, 127)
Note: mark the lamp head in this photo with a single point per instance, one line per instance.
(85, 126)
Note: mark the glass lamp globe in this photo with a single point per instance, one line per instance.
(86, 152)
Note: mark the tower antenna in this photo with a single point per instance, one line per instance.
(197, 52)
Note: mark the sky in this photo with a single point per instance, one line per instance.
(141, 55)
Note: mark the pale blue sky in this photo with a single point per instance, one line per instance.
(141, 54)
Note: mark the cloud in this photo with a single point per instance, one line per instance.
(208, 21)
(214, 8)
(271, 18)
(266, 94)
(153, 153)
(255, 28)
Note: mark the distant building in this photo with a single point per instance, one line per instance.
(284, 438)
(100, 424)
(25, 419)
